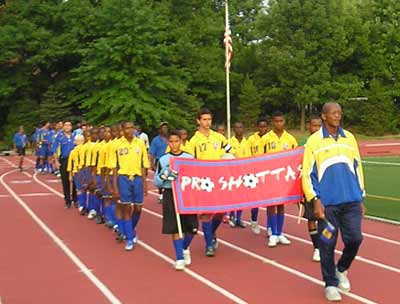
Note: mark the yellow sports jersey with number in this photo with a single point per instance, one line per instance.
(130, 158)
(274, 143)
(73, 160)
(242, 149)
(84, 154)
(111, 151)
(209, 147)
(185, 147)
(103, 156)
(257, 144)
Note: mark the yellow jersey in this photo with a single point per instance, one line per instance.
(274, 143)
(257, 144)
(95, 153)
(185, 147)
(209, 147)
(73, 160)
(242, 149)
(129, 157)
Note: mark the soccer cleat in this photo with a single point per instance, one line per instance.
(160, 199)
(187, 257)
(273, 241)
(232, 222)
(120, 238)
(75, 204)
(99, 219)
(240, 225)
(91, 215)
(129, 245)
(82, 211)
(210, 251)
(283, 240)
(115, 228)
(226, 219)
(332, 294)
(215, 242)
(344, 283)
(135, 239)
(269, 231)
(180, 264)
(316, 257)
(255, 228)
(67, 206)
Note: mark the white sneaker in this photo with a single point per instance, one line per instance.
(232, 222)
(92, 214)
(80, 209)
(332, 294)
(273, 241)
(344, 283)
(269, 231)
(255, 228)
(283, 240)
(180, 264)
(187, 257)
(316, 257)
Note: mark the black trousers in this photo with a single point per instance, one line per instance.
(65, 182)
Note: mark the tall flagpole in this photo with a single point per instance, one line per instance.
(228, 44)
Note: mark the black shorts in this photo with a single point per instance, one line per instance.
(189, 222)
(309, 211)
(21, 151)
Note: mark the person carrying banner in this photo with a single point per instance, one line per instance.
(313, 126)
(187, 223)
(257, 146)
(207, 144)
(277, 140)
(242, 149)
(130, 162)
(333, 182)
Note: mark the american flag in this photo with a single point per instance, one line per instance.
(228, 47)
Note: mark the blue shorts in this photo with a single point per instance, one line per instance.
(106, 193)
(98, 181)
(130, 190)
(44, 151)
(78, 181)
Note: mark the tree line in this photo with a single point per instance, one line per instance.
(150, 61)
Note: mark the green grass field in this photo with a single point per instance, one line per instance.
(382, 179)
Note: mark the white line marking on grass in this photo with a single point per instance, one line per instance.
(191, 273)
(68, 252)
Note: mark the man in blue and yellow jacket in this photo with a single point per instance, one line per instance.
(333, 181)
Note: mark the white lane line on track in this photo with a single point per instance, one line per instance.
(35, 194)
(191, 273)
(359, 258)
(246, 252)
(273, 263)
(382, 145)
(68, 252)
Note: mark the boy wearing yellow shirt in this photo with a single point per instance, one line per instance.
(83, 172)
(89, 149)
(242, 149)
(129, 181)
(73, 167)
(257, 147)
(207, 144)
(278, 140)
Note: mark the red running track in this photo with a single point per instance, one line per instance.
(244, 269)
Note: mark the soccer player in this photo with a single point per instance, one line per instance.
(73, 169)
(143, 136)
(64, 140)
(98, 202)
(102, 166)
(158, 147)
(313, 126)
(333, 182)
(19, 141)
(84, 161)
(241, 147)
(257, 147)
(43, 145)
(221, 129)
(129, 181)
(189, 222)
(91, 152)
(208, 145)
(185, 145)
(277, 140)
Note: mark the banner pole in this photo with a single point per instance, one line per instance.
(227, 67)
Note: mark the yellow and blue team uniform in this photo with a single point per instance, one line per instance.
(275, 143)
(130, 158)
(211, 147)
(257, 147)
(242, 149)
(102, 167)
(332, 172)
(84, 165)
(98, 203)
(185, 147)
